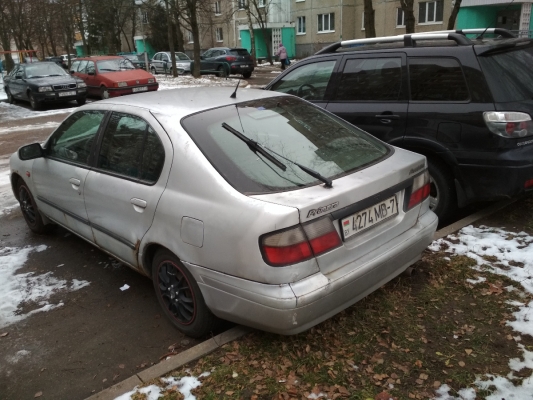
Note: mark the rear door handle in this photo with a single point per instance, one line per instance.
(75, 183)
(138, 204)
(388, 116)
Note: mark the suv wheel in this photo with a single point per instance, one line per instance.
(152, 70)
(442, 197)
(221, 72)
(35, 105)
(246, 75)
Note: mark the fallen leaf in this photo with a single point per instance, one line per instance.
(384, 396)
(121, 366)
(436, 384)
(468, 351)
(418, 363)
(419, 381)
(461, 363)
(229, 393)
(38, 394)
(4, 334)
(234, 375)
(423, 376)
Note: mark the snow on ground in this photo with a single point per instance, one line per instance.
(184, 385)
(12, 112)
(183, 81)
(27, 288)
(30, 127)
(514, 254)
(7, 199)
(3, 95)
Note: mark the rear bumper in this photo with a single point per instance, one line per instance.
(295, 307)
(116, 92)
(240, 69)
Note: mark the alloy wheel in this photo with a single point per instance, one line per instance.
(176, 293)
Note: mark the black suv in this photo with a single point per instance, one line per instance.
(228, 61)
(465, 104)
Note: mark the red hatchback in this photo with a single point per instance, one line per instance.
(112, 76)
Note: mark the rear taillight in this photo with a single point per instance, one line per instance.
(300, 243)
(231, 59)
(528, 184)
(509, 124)
(420, 190)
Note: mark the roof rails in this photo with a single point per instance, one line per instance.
(458, 36)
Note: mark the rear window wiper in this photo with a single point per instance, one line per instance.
(257, 148)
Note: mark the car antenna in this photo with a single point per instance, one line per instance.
(234, 94)
(505, 9)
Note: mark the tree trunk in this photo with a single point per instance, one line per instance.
(252, 36)
(453, 16)
(370, 26)
(409, 15)
(171, 40)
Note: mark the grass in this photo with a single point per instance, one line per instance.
(405, 339)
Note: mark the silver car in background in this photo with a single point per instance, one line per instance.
(262, 209)
(161, 63)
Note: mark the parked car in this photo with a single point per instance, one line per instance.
(264, 210)
(58, 60)
(138, 60)
(467, 107)
(227, 61)
(112, 76)
(161, 63)
(43, 83)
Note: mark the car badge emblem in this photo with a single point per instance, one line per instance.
(137, 82)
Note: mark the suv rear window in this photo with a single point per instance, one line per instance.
(239, 52)
(509, 74)
(290, 127)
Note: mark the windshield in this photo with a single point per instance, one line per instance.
(290, 127)
(113, 65)
(41, 70)
(509, 74)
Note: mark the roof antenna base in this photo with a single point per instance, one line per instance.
(234, 94)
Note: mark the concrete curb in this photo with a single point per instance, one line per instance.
(165, 366)
(215, 342)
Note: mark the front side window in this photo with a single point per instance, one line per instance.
(437, 79)
(301, 25)
(430, 11)
(287, 127)
(308, 81)
(91, 69)
(326, 22)
(219, 35)
(74, 66)
(131, 148)
(371, 79)
(74, 139)
(400, 18)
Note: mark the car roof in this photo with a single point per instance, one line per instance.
(186, 101)
(98, 58)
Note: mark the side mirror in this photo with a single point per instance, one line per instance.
(18, 76)
(31, 151)
(90, 73)
(71, 72)
(202, 58)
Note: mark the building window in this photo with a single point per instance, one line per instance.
(326, 22)
(217, 8)
(363, 21)
(430, 12)
(261, 3)
(220, 37)
(400, 18)
(300, 25)
(190, 37)
(242, 4)
(144, 17)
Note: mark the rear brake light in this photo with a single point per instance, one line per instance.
(298, 244)
(230, 58)
(509, 124)
(420, 190)
(528, 184)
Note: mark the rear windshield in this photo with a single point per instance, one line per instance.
(239, 52)
(509, 74)
(291, 128)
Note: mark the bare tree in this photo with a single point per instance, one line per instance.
(370, 26)
(409, 14)
(453, 16)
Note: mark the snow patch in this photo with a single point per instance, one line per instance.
(19, 355)
(7, 199)
(45, 125)
(27, 288)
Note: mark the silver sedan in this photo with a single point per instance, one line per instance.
(262, 209)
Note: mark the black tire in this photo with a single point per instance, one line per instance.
(221, 72)
(180, 297)
(35, 105)
(246, 75)
(442, 196)
(153, 71)
(80, 101)
(10, 98)
(30, 211)
(104, 93)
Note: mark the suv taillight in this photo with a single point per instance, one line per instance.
(509, 124)
(299, 243)
(420, 190)
(231, 59)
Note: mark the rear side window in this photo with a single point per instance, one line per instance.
(308, 81)
(371, 79)
(288, 127)
(239, 52)
(437, 79)
(509, 75)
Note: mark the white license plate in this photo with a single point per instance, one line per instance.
(369, 217)
(71, 93)
(139, 89)
(244, 66)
